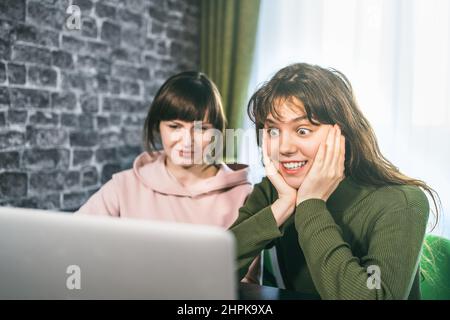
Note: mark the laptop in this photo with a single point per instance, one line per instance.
(56, 255)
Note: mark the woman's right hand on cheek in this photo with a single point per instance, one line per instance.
(284, 206)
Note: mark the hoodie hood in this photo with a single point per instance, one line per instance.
(151, 171)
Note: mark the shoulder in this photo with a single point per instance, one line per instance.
(404, 202)
(263, 193)
(402, 196)
(265, 187)
(142, 165)
(122, 178)
(122, 175)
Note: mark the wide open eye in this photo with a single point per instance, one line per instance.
(303, 131)
(273, 132)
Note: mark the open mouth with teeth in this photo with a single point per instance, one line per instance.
(292, 167)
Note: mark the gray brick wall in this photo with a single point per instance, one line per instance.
(73, 102)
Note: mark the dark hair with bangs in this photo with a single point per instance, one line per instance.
(187, 96)
(328, 99)
(312, 86)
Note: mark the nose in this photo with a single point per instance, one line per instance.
(187, 139)
(287, 148)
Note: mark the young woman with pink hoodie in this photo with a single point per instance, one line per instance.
(169, 181)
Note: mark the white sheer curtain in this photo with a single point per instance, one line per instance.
(396, 55)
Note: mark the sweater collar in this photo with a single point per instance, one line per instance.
(151, 171)
(347, 194)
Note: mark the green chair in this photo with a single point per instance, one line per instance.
(268, 278)
(435, 268)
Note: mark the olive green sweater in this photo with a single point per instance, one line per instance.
(327, 248)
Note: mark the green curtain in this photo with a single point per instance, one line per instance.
(227, 41)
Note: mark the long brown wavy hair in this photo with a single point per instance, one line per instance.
(328, 99)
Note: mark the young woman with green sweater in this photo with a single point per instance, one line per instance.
(346, 224)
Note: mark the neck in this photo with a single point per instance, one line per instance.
(188, 175)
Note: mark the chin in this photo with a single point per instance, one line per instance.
(294, 182)
(186, 162)
(182, 162)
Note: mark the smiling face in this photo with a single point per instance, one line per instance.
(184, 142)
(293, 141)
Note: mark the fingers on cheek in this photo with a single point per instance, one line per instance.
(270, 169)
(338, 137)
(320, 154)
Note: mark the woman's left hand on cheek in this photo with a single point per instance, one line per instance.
(327, 170)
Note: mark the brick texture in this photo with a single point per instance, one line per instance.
(73, 102)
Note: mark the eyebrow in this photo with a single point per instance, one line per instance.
(208, 124)
(270, 121)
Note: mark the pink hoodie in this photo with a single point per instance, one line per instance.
(148, 191)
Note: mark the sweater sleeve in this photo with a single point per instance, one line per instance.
(104, 202)
(393, 253)
(254, 228)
